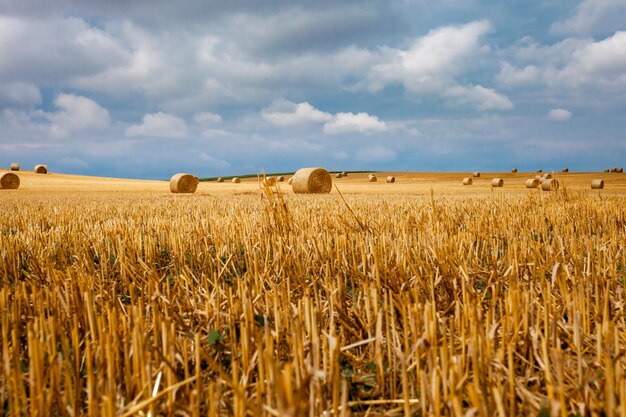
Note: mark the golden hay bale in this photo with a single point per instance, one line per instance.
(290, 180)
(372, 178)
(391, 179)
(344, 174)
(269, 181)
(620, 170)
(497, 182)
(607, 170)
(236, 180)
(280, 178)
(339, 175)
(532, 183)
(539, 177)
(565, 170)
(540, 170)
(514, 170)
(15, 166)
(597, 184)
(220, 179)
(467, 181)
(549, 185)
(312, 181)
(546, 176)
(41, 169)
(184, 183)
(9, 181)
(476, 174)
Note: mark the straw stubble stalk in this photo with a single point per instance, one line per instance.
(236, 180)
(532, 183)
(9, 181)
(15, 166)
(467, 181)
(391, 179)
(497, 182)
(476, 174)
(372, 178)
(312, 181)
(41, 169)
(549, 185)
(597, 184)
(184, 183)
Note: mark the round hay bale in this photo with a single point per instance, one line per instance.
(497, 182)
(546, 176)
(514, 170)
(477, 174)
(280, 178)
(290, 180)
(339, 175)
(550, 185)
(538, 177)
(607, 170)
(540, 170)
(597, 184)
(467, 181)
(269, 181)
(312, 181)
(620, 170)
(372, 178)
(220, 179)
(41, 169)
(236, 180)
(391, 179)
(344, 174)
(184, 183)
(532, 183)
(565, 170)
(15, 166)
(9, 181)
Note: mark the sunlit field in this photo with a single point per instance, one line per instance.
(422, 297)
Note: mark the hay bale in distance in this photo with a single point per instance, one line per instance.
(597, 184)
(565, 170)
(620, 170)
(41, 169)
(269, 181)
(497, 182)
(546, 176)
(532, 183)
(339, 175)
(344, 174)
(540, 170)
(607, 170)
(476, 174)
(550, 185)
(184, 183)
(391, 179)
(372, 178)
(280, 178)
(15, 166)
(236, 180)
(220, 179)
(9, 181)
(312, 181)
(514, 170)
(467, 181)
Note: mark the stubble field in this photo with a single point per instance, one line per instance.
(422, 297)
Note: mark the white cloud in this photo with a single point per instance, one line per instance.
(285, 114)
(559, 115)
(478, 97)
(513, 76)
(340, 155)
(207, 117)
(161, 125)
(20, 95)
(351, 122)
(593, 16)
(213, 133)
(76, 114)
(375, 153)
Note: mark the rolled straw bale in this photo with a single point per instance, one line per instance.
(9, 181)
(497, 182)
(280, 178)
(476, 174)
(532, 183)
(620, 170)
(391, 179)
(546, 176)
(312, 181)
(550, 185)
(344, 174)
(15, 166)
(597, 184)
(339, 175)
(41, 169)
(184, 183)
(236, 180)
(540, 170)
(538, 177)
(290, 180)
(607, 170)
(467, 181)
(514, 170)
(270, 181)
(220, 179)
(372, 178)
(565, 169)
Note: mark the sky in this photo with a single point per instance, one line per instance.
(145, 89)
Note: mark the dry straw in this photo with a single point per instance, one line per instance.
(184, 183)
(476, 174)
(497, 182)
(391, 179)
(514, 170)
(15, 166)
(220, 179)
(467, 181)
(236, 180)
(9, 181)
(532, 183)
(597, 184)
(41, 169)
(372, 178)
(550, 185)
(312, 181)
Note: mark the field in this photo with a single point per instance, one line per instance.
(422, 297)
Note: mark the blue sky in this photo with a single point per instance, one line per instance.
(220, 88)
